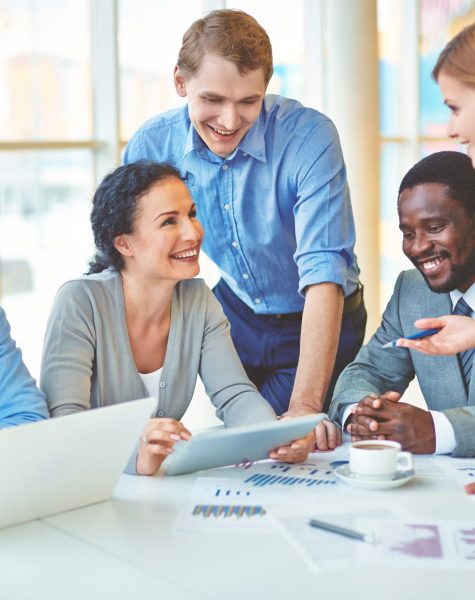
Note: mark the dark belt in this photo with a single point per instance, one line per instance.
(353, 300)
(350, 304)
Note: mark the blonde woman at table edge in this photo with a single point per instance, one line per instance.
(455, 74)
(139, 324)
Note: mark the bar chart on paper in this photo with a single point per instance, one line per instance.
(222, 511)
(430, 542)
(285, 475)
(262, 480)
(221, 505)
(422, 541)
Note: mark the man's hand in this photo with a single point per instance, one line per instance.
(297, 451)
(327, 434)
(372, 435)
(383, 417)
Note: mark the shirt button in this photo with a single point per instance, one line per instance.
(245, 154)
(227, 206)
(162, 384)
(160, 413)
(257, 300)
(245, 276)
(234, 244)
(225, 167)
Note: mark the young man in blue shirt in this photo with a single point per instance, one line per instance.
(269, 182)
(20, 400)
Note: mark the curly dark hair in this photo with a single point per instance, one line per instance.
(115, 205)
(449, 168)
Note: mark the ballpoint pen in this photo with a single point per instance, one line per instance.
(414, 336)
(349, 533)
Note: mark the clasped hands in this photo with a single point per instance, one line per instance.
(161, 434)
(382, 416)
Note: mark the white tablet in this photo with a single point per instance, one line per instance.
(223, 447)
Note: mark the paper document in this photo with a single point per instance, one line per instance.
(427, 544)
(222, 505)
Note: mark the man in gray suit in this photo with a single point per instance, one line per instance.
(436, 206)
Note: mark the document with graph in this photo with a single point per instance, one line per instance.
(396, 542)
(223, 505)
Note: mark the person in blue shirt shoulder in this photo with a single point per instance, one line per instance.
(20, 400)
(269, 182)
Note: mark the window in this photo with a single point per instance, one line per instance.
(54, 146)
(413, 119)
(46, 152)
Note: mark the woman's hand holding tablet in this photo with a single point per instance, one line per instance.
(222, 447)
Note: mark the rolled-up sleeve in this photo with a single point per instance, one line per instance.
(324, 225)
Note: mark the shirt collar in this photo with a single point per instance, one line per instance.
(252, 144)
(192, 141)
(468, 296)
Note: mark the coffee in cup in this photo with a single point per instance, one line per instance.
(379, 459)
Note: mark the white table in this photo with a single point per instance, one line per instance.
(125, 548)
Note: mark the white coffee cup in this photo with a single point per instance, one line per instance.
(379, 459)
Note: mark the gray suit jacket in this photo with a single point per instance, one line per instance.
(375, 370)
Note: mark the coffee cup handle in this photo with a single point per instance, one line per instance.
(405, 462)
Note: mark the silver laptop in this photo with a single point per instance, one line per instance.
(67, 462)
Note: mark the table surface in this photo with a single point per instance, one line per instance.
(127, 547)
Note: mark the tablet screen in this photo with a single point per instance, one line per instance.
(223, 447)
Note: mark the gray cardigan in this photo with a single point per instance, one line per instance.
(87, 360)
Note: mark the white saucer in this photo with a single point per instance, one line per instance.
(344, 473)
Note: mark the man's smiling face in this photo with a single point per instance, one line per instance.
(223, 104)
(438, 236)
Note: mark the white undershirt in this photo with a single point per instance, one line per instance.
(152, 381)
(444, 432)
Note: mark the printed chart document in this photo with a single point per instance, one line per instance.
(427, 544)
(430, 544)
(247, 497)
(324, 549)
(222, 505)
(244, 498)
(461, 470)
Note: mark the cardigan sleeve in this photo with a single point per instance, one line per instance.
(20, 399)
(68, 351)
(236, 399)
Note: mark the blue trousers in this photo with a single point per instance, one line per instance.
(269, 346)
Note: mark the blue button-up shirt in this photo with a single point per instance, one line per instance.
(276, 213)
(20, 399)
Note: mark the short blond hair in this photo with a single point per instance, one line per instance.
(457, 59)
(232, 34)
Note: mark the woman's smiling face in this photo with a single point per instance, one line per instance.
(167, 236)
(460, 98)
